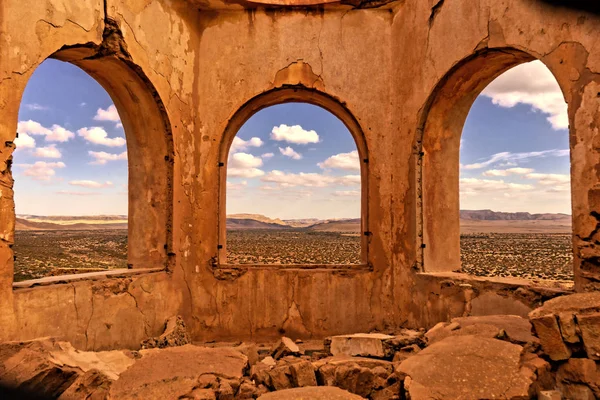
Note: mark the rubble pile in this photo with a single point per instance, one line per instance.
(569, 331)
(479, 357)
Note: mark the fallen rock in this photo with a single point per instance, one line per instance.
(285, 347)
(91, 385)
(580, 371)
(250, 350)
(512, 328)
(312, 393)
(362, 376)
(359, 344)
(49, 367)
(549, 395)
(303, 374)
(565, 323)
(174, 371)
(175, 334)
(468, 367)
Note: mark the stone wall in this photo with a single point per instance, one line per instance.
(402, 76)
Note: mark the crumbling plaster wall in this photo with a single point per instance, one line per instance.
(385, 66)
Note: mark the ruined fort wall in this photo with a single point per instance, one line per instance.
(405, 74)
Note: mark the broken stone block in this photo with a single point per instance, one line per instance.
(580, 371)
(224, 391)
(549, 395)
(568, 328)
(175, 334)
(285, 347)
(467, 367)
(312, 393)
(359, 344)
(279, 378)
(577, 392)
(48, 367)
(303, 374)
(246, 391)
(250, 350)
(200, 394)
(180, 371)
(550, 337)
(589, 325)
(91, 385)
(269, 361)
(405, 352)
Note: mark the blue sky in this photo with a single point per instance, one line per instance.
(71, 154)
(291, 160)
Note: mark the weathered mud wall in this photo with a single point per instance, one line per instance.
(405, 73)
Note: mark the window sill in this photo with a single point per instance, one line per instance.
(562, 286)
(296, 267)
(89, 276)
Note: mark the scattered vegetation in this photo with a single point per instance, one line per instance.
(526, 255)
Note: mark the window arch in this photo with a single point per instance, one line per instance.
(292, 95)
(149, 151)
(438, 139)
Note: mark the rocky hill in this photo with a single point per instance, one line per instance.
(489, 215)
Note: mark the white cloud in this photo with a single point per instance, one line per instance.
(118, 125)
(110, 114)
(309, 179)
(244, 172)
(549, 179)
(47, 152)
(99, 136)
(236, 186)
(474, 185)
(241, 144)
(90, 184)
(294, 134)
(507, 172)
(56, 133)
(512, 157)
(41, 170)
(244, 165)
(346, 193)
(244, 160)
(24, 141)
(346, 161)
(82, 104)
(289, 152)
(533, 84)
(36, 107)
(267, 156)
(72, 193)
(102, 157)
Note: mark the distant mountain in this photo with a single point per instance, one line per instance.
(256, 217)
(249, 223)
(344, 225)
(23, 224)
(73, 219)
(489, 215)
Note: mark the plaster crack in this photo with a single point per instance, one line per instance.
(78, 24)
(435, 10)
(320, 50)
(87, 328)
(137, 306)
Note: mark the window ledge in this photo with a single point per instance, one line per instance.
(562, 286)
(297, 267)
(114, 273)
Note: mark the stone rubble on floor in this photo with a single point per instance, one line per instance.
(478, 357)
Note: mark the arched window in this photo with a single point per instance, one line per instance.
(494, 136)
(72, 160)
(70, 172)
(515, 193)
(294, 191)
